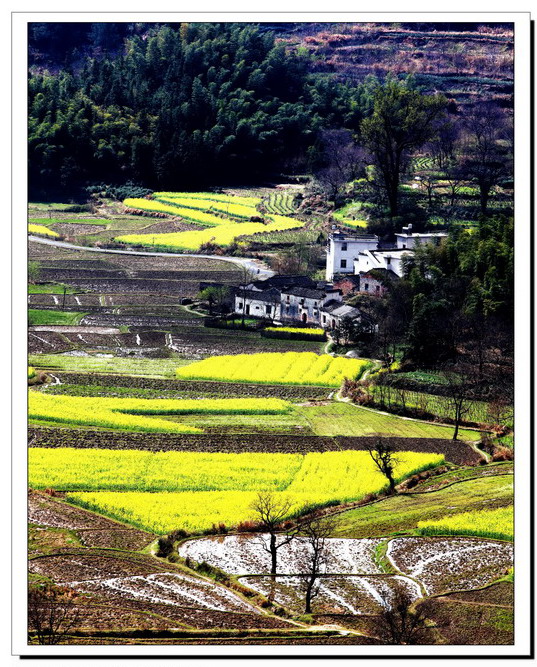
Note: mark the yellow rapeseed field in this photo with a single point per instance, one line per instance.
(229, 208)
(297, 330)
(42, 230)
(492, 523)
(222, 229)
(224, 234)
(305, 368)
(133, 413)
(211, 196)
(167, 490)
(135, 470)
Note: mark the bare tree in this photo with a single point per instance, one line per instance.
(460, 390)
(247, 276)
(343, 160)
(488, 155)
(455, 175)
(385, 460)
(52, 613)
(443, 145)
(429, 181)
(270, 511)
(400, 623)
(316, 532)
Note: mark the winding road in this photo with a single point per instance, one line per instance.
(257, 267)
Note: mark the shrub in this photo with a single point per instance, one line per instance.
(165, 547)
(248, 527)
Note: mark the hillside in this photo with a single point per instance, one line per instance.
(467, 62)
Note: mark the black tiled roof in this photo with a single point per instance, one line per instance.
(305, 292)
(282, 281)
(270, 295)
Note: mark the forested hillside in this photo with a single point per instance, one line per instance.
(194, 105)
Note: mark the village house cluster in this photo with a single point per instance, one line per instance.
(354, 264)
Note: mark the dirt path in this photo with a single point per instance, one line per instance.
(257, 267)
(60, 328)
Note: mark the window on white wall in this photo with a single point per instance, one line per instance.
(343, 263)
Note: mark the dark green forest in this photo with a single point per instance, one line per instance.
(194, 105)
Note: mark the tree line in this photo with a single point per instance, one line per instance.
(183, 106)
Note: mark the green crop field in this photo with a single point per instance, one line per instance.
(202, 489)
(475, 411)
(50, 288)
(403, 513)
(44, 317)
(71, 221)
(276, 368)
(145, 367)
(293, 236)
(280, 202)
(347, 419)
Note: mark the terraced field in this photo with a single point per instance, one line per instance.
(225, 217)
(104, 489)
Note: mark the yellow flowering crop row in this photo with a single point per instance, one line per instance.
(297, 330)
(320, 479)
(43, 231)
(132, 413)
(199, 217)
(223, 235)
(355, 223)
(494, 523)
(229, 208)
(349, 475)
(276, 368)
(133, 470)
(211, 196)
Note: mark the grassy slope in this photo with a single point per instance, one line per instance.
(50, 288)
(45, 317)
(402, 513)
(352, 420)
(148, 367)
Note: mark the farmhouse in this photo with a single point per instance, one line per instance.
(342, 249)
(359, 255)
(333, 314)
(302, 304)
(291, 302)
(406, 239)
(258, 303)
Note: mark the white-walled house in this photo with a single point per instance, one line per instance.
(343, 248)
(257, 303)
(406, 239)
(357, 255)
(333, 313)
(390, 260)
(302, 304)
